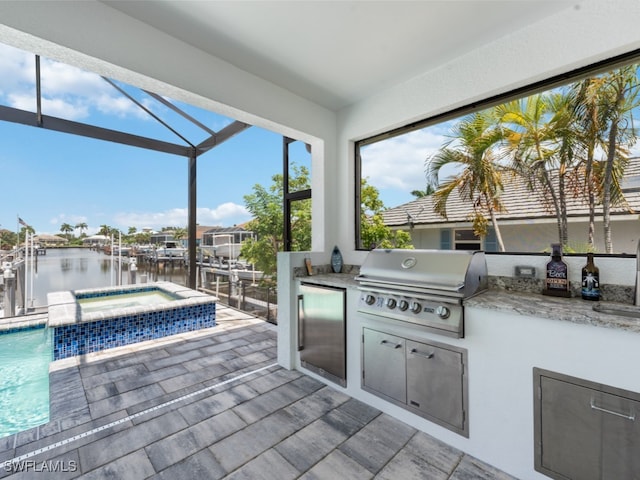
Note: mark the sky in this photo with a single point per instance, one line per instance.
(49, 178)
(397, 166)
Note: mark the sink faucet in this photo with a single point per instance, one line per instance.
(637, 299)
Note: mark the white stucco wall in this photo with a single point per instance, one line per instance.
(535, 237)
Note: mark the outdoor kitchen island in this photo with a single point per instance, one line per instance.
(510, 337)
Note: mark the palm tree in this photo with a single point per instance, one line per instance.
(66, 229)
(474, 146)
(604, 107)
(81, 226)
(589, 124)
(179, 233)
(537, 133)
(423, 193)
(621, 90)
(105, 230)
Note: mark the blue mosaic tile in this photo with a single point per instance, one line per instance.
(82, 338)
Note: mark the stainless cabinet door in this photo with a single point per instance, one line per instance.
(570, 432)
(620, 435)
(384, 364)
(435, 382)
(322, 331)
(587, 433)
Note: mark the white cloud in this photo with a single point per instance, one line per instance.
(17, 68)
(399, 163)
(67, 91)
(58, 107)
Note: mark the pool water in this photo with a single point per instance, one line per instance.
(24, 379)
(122, 300)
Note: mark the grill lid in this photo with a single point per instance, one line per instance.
(447, 272)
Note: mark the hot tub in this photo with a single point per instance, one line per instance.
(86, 321)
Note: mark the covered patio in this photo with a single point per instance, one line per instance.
(329, 74)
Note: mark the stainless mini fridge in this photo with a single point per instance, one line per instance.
(322, 331)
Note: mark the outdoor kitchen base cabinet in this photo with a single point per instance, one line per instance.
(584, 430)
(427, 379)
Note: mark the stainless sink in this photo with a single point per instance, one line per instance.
(624, 310)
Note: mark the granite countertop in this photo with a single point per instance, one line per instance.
(573, 310)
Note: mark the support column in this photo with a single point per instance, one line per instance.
(191, 226)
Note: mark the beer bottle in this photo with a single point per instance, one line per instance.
(590, 280)
(557, 279)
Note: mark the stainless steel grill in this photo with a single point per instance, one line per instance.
(423, 287)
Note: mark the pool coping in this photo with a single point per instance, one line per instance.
(25, 322)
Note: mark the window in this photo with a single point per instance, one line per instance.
(556, 162)
(466, 239)
(297, 195)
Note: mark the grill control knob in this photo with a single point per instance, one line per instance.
(403, 305)
(391, 303)
(416, 307)
(443, 312)
(370, 299)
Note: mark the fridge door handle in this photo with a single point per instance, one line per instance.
(300, 322)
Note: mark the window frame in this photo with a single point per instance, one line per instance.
(289, 197)
(574, 75)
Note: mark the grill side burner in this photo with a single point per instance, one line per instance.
(422, 287)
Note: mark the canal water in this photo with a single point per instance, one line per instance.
(80, 268)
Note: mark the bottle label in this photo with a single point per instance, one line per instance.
(557, 276)
(590, 285)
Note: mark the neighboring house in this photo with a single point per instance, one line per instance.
(96, 240)
(223, 235)
(159, 238)
(47, 240)
(528, 224)
(225, 242)
(201, 230)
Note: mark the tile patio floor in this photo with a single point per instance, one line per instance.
(213, 404)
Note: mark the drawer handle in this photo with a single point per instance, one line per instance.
(425, 355)
(631, 417)
(386, 343)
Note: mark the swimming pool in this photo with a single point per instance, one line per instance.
(24, 379)
(124, 315)
(115, 316)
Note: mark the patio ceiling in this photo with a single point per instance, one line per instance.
(336, 53)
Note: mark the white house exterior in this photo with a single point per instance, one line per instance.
(528, 223)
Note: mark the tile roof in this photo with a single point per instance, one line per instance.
(520, 203)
